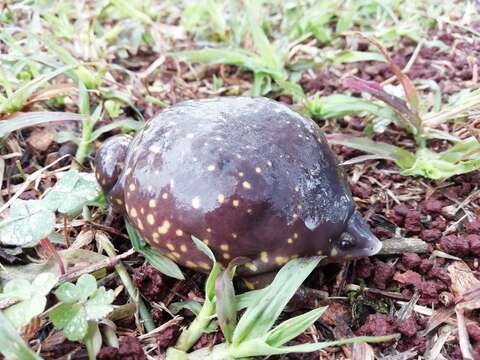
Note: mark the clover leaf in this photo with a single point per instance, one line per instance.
(82, 304)
(72, 192)
(27, 222)
(30, 298)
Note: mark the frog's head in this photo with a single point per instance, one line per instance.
(109, 164)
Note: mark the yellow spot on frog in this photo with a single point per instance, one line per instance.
(258, 170)
(142, 211)
(164, 196)
(209, 230)
(119, 201)
(249, 284)
(290, 240)
(264, 257)
(196, 202)
(235, 203)
(269, 164)
(319, 252)
(176, 255)
(224, 247)
(247, 185)
(140, 225)
(128, 171)
(133, 212)
(221, 198)
(170, 246)
(334, 252)
(152, 203)
(183, 248)
(211, 167)
(234, 235)
(204, 265)
(295, 235)
(179, 232)
(165, 227)
(280, 260)
(131, 187)
(205, 241)
(150, 219)
(251, 266)
(190, 264)
(226, 256)
(241, 174)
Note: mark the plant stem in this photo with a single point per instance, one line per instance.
(131, 288)
(84, 145)
(198, 326)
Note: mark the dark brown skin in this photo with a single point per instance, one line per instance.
(248, 176)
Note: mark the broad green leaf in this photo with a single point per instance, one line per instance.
(258, 319)
(22, 313)
(293, 327)
(23, 120)
(403, 158)
(12, 346)
(61, 314)
(86, 286)
(204, 248)
(77, 325)
(28, 222)
(72, 192)
(98, 306)
(67, 293)
(248, 298)
(31, 296)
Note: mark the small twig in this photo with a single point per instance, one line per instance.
(403, 245)
(48, 246)
(106, 263)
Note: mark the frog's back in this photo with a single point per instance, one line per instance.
(247, 175)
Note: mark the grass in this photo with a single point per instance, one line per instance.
(91, 69)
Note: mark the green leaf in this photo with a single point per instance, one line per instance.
(258, 319)
(18, 99)
(403, 158)
(68, 293)
(72, 192)
(191, 305)
(27, 222)
(204, 248)
(86, 286)
(17, 290)
(12, 345)
(23, 120)
(93, 339)
(98, 306)
(22, 313)
(154, 257)
(77, 325)
(225, 302)
(293, 327)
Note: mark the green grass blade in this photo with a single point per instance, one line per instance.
(225, 303)
(128, 124)
(154, 257)
(403, 158)
(462, 150)
(293, 327)
(258, 319)
(21, 121)
(12, 345)
(16, 101)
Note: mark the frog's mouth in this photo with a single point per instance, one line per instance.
(365, 243)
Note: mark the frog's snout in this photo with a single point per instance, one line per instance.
(109, 164)
(365, 243)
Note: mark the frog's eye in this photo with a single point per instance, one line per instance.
(346, 241)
